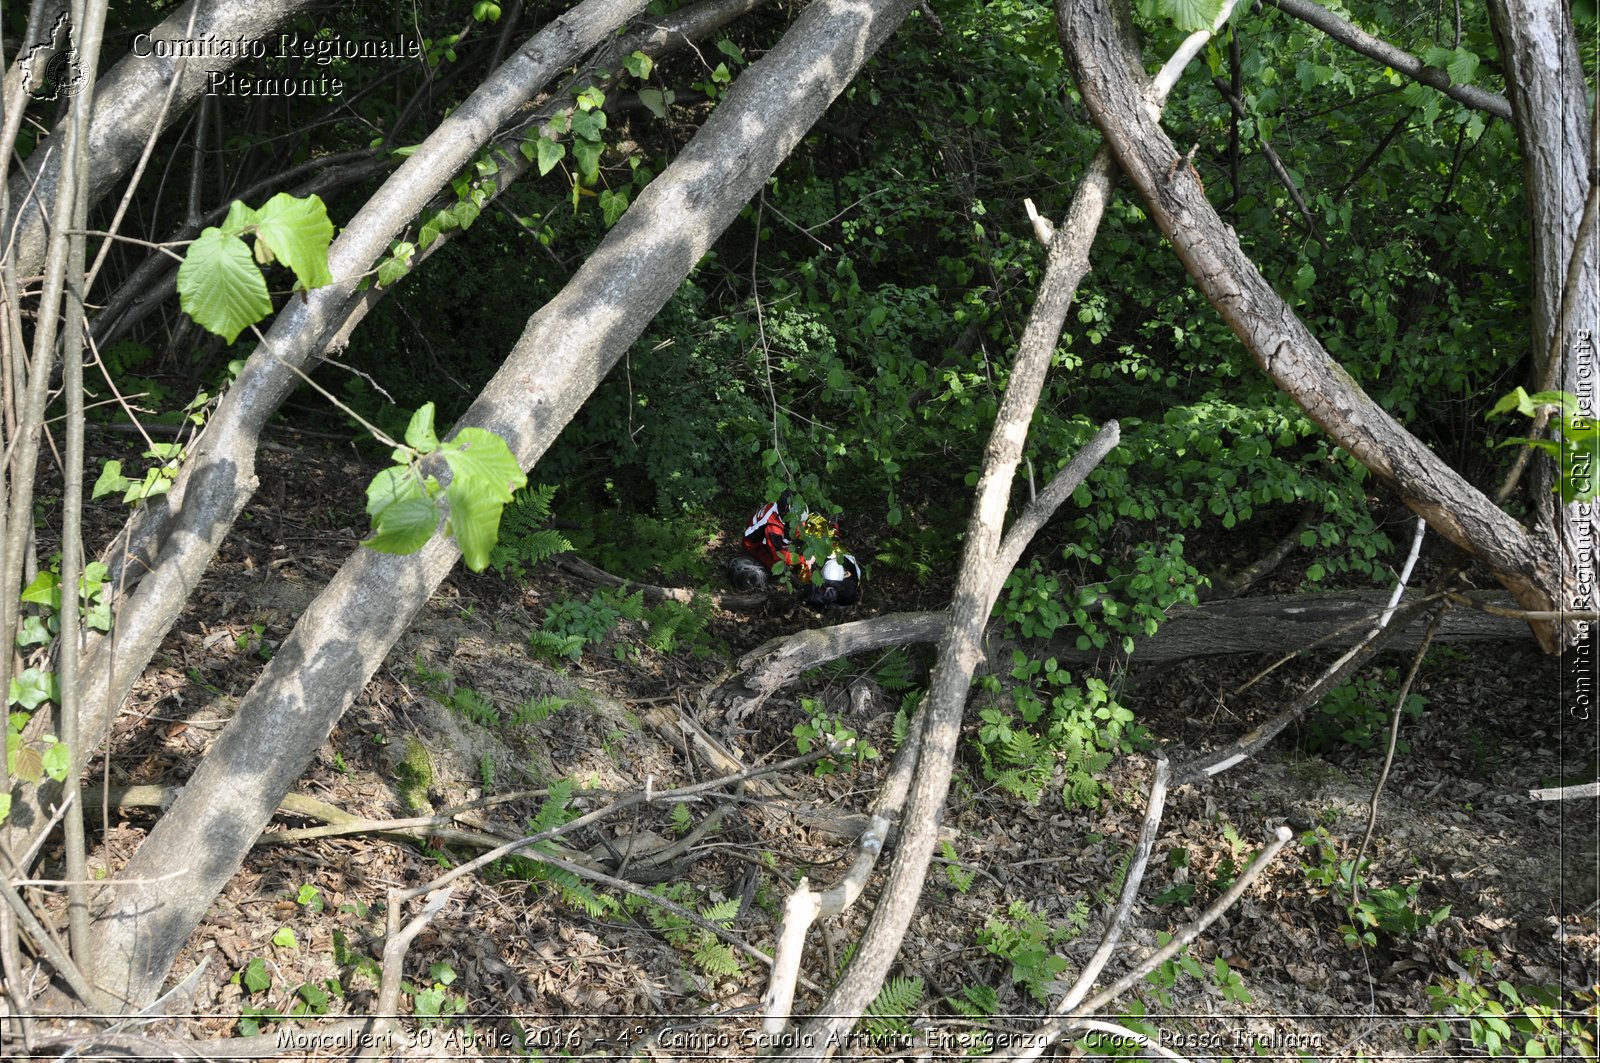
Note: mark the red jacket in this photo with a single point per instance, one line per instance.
(767, 540)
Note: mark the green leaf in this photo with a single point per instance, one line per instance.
(656, 100)
(33, 632)
(240, 220)
(298, 232)
(56, 761)
(256, 978)
(31, 687)
(5, 805)
(403, 516)
(612, 206)
(479, 455)
(285, 938)
(1190, 15)
(550, 153)
(588, 125)
(397, 264)
(220, 286)
(111, 480)
(419, 433)
(44, 590)
(590, 99)
(639, 65)
(587, 154)
(731, 50)
(1463, 66)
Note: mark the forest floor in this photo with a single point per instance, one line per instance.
(515, 965)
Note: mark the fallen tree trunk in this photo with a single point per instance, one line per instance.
(1239, 626)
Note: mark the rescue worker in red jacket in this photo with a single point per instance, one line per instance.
(807, 546)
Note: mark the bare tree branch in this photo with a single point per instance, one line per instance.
(1359, 40)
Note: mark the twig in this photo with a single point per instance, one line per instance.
(394, 956)
(1566, 793)
(1394, 738)
(805, 905)
(1130, 890)
(1524, 614)
(1405, 574)
(1050, 1031)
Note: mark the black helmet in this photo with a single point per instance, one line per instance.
(747, 574)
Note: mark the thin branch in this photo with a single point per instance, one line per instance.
(1388, 756)
(1566, 793)
(1247, 745)
(1053, 1029)
(1130, 890)
(806, 905)
(1360, 40)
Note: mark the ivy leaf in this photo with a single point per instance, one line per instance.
(654, 101)
(44, 590)
(639, 65)
(220, 287)
(56, 761)
(591, 99)
(588, 125)
(587, 153)
(419, 433)
(33, 632)
(111, 480)
(612, 206)
(256, 978)
(298, 232)
(285, 938)
(550, 153)
(398, 264)
(31, 687)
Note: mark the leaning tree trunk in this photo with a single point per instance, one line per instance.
(566, 350)
(1104, 56)
(1549, 104)
(172, 541)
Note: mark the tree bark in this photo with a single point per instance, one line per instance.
(566, 350)
(1105, 60)
(1545, 81)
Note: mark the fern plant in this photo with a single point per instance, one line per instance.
(888, 1017)
(709, 953)
(524, 539)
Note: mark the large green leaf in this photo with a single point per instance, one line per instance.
(550, 153)
(419, 433)
(298, 233)
(587, 154)
(474, 521)
(480, 461)
(394, 484)
(404, 525)
(1190, 15)
(220, 287)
